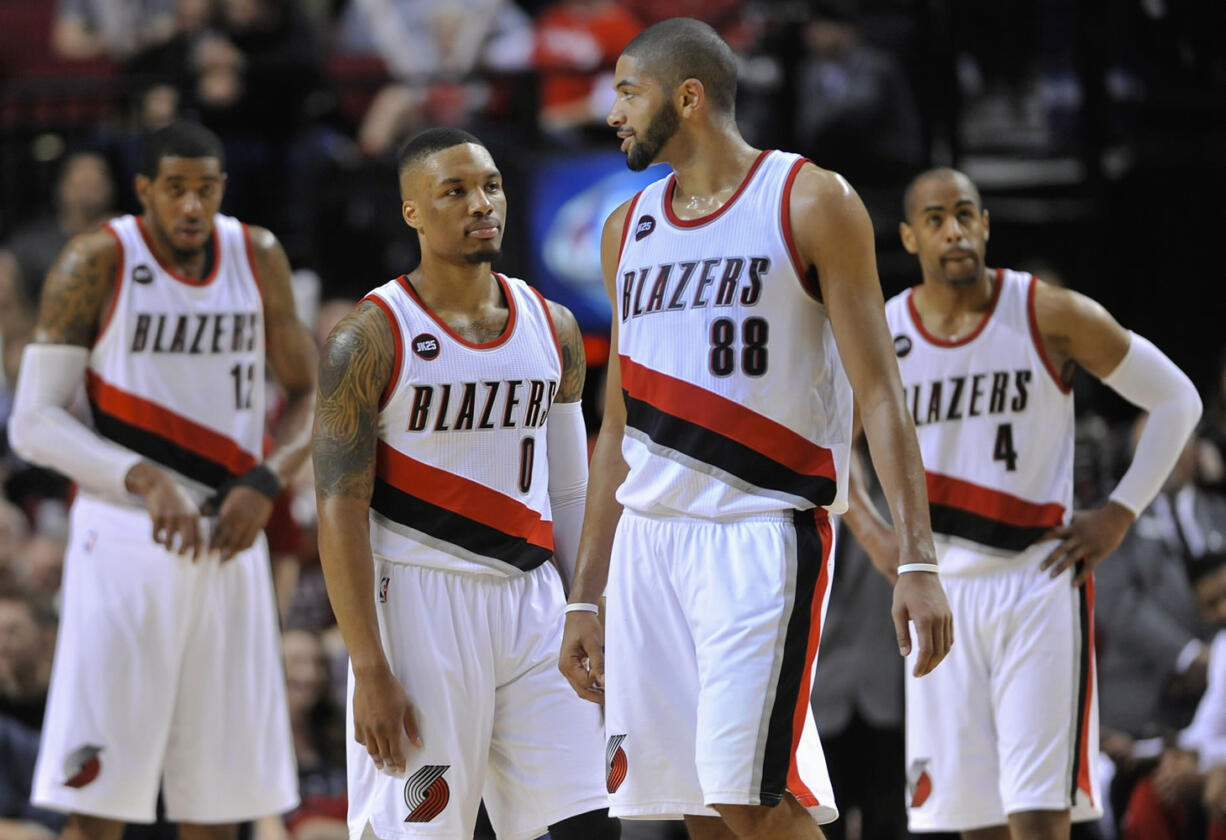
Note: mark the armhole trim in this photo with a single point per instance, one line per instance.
(1037, 338)
(399, 343)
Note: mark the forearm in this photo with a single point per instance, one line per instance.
(348, 567)
(608, 471)
(862, 518)
(292, 443)
(896, 458)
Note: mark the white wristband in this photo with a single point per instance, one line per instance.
(592, 608)
(918, 567)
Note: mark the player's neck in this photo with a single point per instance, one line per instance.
(712, 166)
(940, 298)
(455, 288)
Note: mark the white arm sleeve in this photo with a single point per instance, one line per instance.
(566, 438)
(42, 432)
(1148, 379)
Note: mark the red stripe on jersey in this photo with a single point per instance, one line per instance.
(984, 501)
(796, 785)
(462, 496)
(725, 417)
(671, 187)
(785, 223)
(110, 310)
(397, 340)
(1037, 338)
(627, 223)
(1083, 774)
(147, 415)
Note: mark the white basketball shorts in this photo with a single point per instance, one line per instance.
(478, 656)
(710, 649)
(166, 672)
(1008, 722)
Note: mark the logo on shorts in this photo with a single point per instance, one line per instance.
(142, 274)
(426, 346)
(902, 345)
(919, 783)
(644, 228)
(383, 584)
(82, 766)
(615, 763)
(426, 793)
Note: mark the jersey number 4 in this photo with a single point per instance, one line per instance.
(1003, 450)
(754, 333)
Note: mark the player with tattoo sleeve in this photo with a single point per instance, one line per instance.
(450, 466)
(168, 669)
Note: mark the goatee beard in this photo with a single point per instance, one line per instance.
(479, 257)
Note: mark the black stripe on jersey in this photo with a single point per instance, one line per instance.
(451, 527)
(160, 449)
(1083, 681)
(956, 522)
(726, 454)
(777, 758)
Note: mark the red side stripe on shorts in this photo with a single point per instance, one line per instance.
(1083, 781)
(796, 785)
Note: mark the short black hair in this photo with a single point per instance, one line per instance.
(941, 172)
(677, 49)
(179, 139)
(430, 141)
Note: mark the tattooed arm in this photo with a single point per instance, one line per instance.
(77, 292)
(354, 368)
(574, 363)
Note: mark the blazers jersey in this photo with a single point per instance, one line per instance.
(177, 371)
(736, 399)
(461, 471)
(995, 425)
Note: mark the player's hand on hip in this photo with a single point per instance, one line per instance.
(1089, 538)
(173, 512)
(919, 598)
(582, 658)
(383, 717)
(243, 514)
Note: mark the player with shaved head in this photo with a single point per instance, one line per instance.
(450, 463)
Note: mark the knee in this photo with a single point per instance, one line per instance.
(1039, 825)
(593, 825)
(85, 827)
(751, 822)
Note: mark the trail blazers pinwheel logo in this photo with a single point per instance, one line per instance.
(426, 793)
(919, 783)
(615, 763)
(82, 766)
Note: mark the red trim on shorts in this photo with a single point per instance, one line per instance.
(987, 316)
(110, 310)
(397, 339)
(1037, 337)
(1086, 754)
(796, 785)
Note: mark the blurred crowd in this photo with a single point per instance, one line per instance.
(312, 98)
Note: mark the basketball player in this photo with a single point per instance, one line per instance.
(168, 671)
(746, 309)
(1000, 742)
(450, 464)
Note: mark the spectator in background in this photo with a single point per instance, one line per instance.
(1185, 797)
(14, 528)
(577, 44)
(725, 16)
(1211, 453)
(115, 29)
(435, 49)
(318, 726)
(84, 198)
(27, 645)
(854, 108)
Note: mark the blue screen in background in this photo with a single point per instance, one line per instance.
(571, 198)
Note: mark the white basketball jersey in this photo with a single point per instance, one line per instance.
(994, 421)
(461, 476)
(736, 400)
(177, 371)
